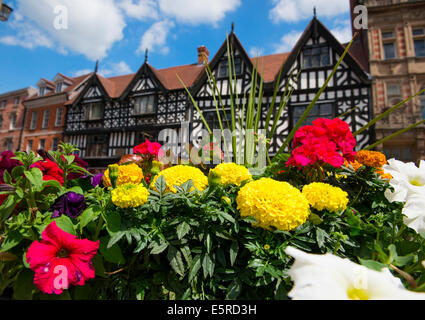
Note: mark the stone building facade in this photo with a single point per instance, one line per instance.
(396, 43)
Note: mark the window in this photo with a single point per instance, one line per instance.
(46, 117)
(393, 94)
(223, 68)
(55, 144)
(388, 38)
(42, 91)
(144, 105)
(59, 87)
(212, 119)
(419, 41)
(58, 120)
(317, 56)
(389, 50)
(9, 144)
(33, 120)
(42, 144)
(323, 110)
(3, 104)
(12, 125)
(17, 100)
(29, 146)
(97, 146)
(94, 111)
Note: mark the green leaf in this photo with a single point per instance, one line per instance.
(113, 221)
(158, 248)
(17, 172)
(234, 290)
(24, 286)
(6, 209)
(6, 177)
(371, 264)
(227, 216)
(65, 223)
(194, 267)
(207, 265)
(69, 158)
(35, 177)
(234, 248)
(161, 184)
(112, 254)
(182, 229)
(280, 292)
(88, 216)
(221, 257)
(115, 238)
(98, 266)
(176, 261)
(13, 238)
(76, 189)
(320, 237)
(208, 243)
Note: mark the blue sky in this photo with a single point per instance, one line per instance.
(45, 37)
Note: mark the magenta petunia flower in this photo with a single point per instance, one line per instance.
(60, 260)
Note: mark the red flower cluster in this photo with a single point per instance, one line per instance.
(60, 260)
(325, 142)
(148, 148)
(50, 170)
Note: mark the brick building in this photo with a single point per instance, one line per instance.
(396, 43)
(45, 112)
(12, 117)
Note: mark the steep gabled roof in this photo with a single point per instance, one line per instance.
(269, 66)
(187, 73)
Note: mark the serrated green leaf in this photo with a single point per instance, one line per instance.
(182, 229)
(176, 261)
(234, 290)
(158, 248)
(65, 223)
(161, 184)
(320, 237)
(195, 266)
(207, 265)
(13, 238)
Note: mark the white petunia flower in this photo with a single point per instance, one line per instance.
(328, 277)
(407, 179)
(414, 213)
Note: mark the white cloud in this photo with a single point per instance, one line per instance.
(155, 37)
(115, 69)
(93, 26)
(296, 10)
(82, 72)
(288, 41)
(140, 9)
(342, 32)
(198, 11)
(256, 52)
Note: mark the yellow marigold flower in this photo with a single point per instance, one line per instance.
(178, 175)
(273, 204)
(232, 173)
(324, 196)
(131, 173)
(129, 195)
(371, 158)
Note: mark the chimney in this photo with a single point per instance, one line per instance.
(203, 55)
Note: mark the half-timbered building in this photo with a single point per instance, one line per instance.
(111, 115)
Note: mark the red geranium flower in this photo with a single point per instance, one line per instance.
(61, 256)
(148, 148)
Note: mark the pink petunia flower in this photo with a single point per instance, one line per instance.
(60, 260)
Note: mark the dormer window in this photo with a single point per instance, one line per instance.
(42, 91)
(144, 105)
(315, 57)
(223, 68)
(59, 87)
(94, 111)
